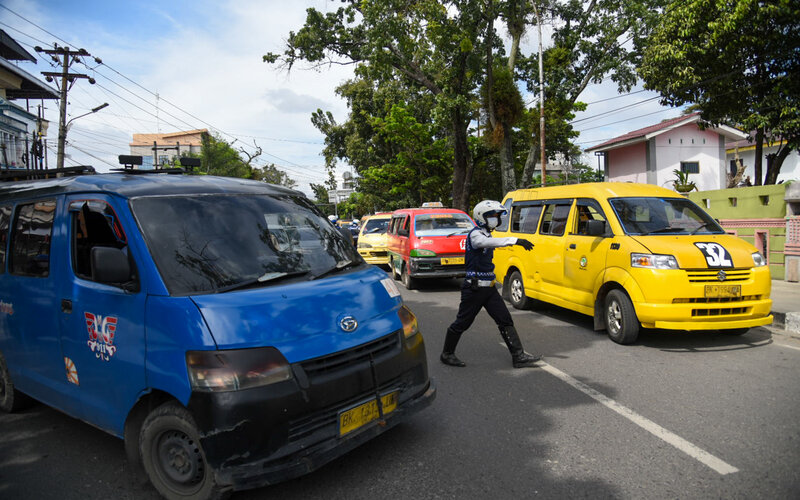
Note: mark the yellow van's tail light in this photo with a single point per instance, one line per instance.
(653, 261)
(409, 321)
(236, 369)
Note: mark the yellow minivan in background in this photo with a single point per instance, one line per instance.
(373, 240)
(631, 256)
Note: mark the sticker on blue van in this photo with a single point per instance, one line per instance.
(101, 335)
(6, 308)
(72, 371)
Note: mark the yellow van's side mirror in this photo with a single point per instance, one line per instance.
(595, 227)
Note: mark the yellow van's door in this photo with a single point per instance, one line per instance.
(584, 255)
(549, 274)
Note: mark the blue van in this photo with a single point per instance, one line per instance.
(173, 310)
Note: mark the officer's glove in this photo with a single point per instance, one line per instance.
(527, 245)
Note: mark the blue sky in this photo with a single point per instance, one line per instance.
(203, 60)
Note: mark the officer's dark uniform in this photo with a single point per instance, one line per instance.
(478, 291)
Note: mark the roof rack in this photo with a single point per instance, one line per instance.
(24, 174)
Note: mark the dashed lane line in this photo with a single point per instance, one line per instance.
(669, 437)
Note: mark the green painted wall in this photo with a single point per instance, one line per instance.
(755, 202)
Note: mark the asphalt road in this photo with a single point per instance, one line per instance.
(676, 415)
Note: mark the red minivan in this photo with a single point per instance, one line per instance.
(427, 243)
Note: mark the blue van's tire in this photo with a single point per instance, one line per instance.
(516, 292)
(11, 399)
(409, 282)
(622, 324)
(169, 445)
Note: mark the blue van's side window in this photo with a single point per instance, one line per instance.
(30, 239)
(5, 219)
(94, 224)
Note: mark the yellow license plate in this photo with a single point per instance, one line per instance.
(723, 291)
(363, 414)
(452, 260)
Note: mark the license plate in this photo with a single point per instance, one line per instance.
(723, 291)
(365, 413)
(452, 260)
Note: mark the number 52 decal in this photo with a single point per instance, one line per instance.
(715, 254)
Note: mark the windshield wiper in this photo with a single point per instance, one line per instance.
(264, 278)
(663, 230)
(335, 269)
(460, 231)
(701, 226)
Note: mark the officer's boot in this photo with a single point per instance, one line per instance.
(519, 357)
(448, 356)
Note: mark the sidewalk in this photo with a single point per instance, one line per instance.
(786, 307)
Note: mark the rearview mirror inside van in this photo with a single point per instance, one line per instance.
(110, 265)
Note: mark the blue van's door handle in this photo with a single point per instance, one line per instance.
(66, 306)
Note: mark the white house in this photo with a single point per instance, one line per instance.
(746, 151)
(651, 154)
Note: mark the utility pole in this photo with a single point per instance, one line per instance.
(69, 56)
(541, 99)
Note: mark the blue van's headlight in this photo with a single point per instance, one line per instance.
(759, 260)
(409, 321)
(236, 369)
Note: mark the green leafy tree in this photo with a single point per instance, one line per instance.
(738, 61)
(272, 175)
(425, 43)
(217, 157)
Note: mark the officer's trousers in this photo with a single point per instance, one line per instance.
(472, 300)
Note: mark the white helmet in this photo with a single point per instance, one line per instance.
(332, 218)
(488, 212)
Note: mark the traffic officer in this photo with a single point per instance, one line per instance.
(478, 290)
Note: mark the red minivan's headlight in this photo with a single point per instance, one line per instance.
(236, 369)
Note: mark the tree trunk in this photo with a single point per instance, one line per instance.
(774, 164)
(530, 164)
(462, 171)
(759, 155)
(507, 171)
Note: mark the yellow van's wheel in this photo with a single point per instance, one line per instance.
(169, 445)
(11, 399)
(516, 292)
(621, 321)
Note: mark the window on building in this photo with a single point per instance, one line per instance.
(764, 200)
(691, 167)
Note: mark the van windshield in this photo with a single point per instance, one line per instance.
(645, 216)
(376, 226)
(210, 243)
(442, 224)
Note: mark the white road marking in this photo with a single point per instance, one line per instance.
(678, 442)
(789, 346)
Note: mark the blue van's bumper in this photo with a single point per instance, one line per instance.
(263, 436)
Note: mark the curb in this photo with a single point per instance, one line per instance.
(789, 322)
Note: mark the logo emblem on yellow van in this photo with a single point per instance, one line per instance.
(584, 261)
(721, 275)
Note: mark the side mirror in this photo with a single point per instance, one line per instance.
(110, 265)
(595, 227)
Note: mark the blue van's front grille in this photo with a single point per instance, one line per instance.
(343, 359)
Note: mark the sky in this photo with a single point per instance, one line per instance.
(182, 65)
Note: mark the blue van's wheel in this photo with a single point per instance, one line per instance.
(11, 399)
(516, 292)
(622, 324)
(169, 445)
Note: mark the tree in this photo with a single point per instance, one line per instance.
(425, 43)
(738, 61)
(270, 174)
(217, 157)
